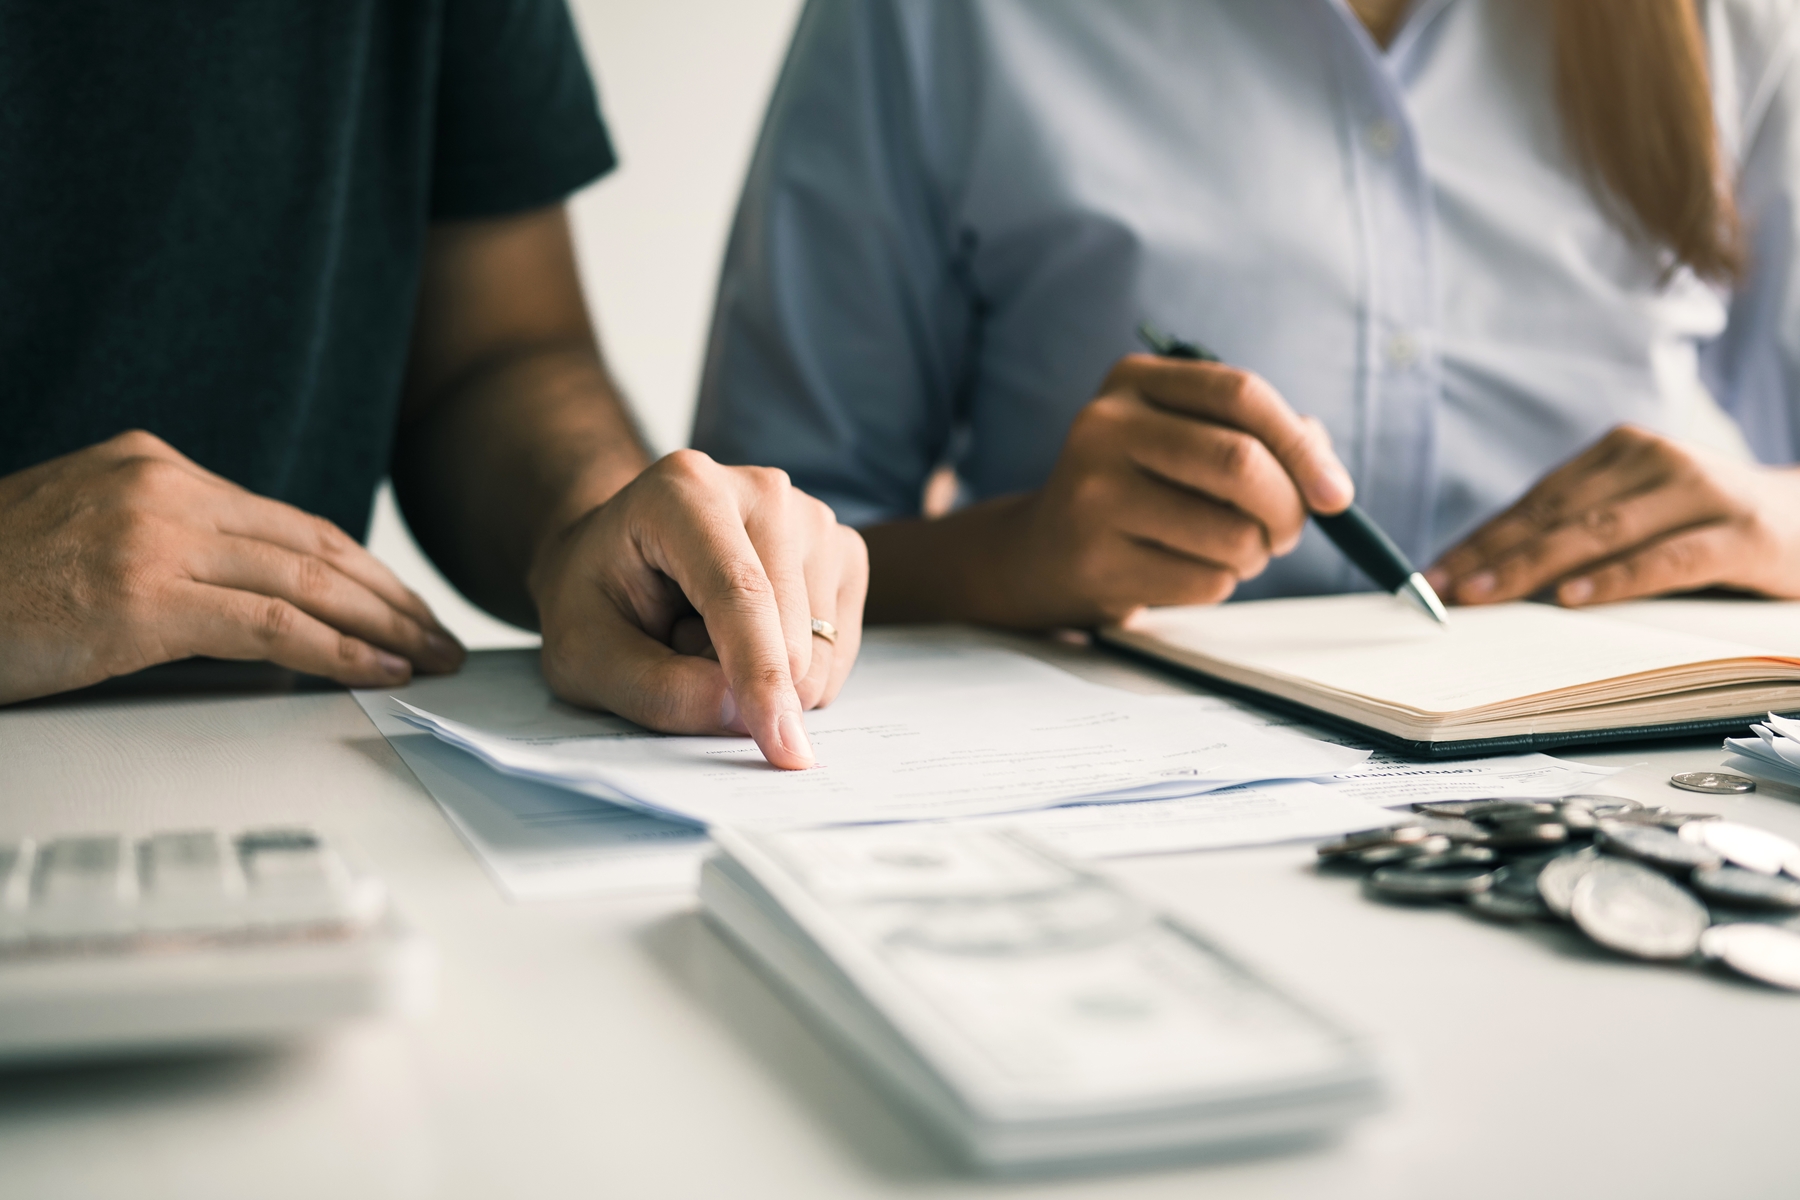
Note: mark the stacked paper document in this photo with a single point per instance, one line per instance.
(1030, 1013)
(1773, 753)
(541, 838)
(1027, 736)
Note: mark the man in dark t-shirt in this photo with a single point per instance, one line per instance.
(256, 256)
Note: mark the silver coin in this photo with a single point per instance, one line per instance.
(1381, 856)
(1578, 818)
(1658, 847)
(1528, 836)
(1449, 883)
(1490, 811)
(1385, 835)
(1447, 808)
(1457, 829)
(1602, 806)
(1767, 953)
(1635, 911)
(1556, 881)
(1455, 856)
(1735, 885)
(1749, 847)
(1662, 818)
(1519, 878)
(1508, 906)
(1717, 783)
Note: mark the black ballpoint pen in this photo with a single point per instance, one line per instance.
(1351, 531)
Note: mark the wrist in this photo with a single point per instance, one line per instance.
(966, 566)
(562, 517)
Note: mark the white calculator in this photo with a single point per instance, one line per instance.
(113, 945)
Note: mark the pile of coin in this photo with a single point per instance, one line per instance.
(1644, 882)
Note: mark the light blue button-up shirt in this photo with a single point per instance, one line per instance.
(959, 212)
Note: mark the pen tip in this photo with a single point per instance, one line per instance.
(1420, 592)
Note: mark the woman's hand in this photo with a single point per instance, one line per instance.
(1175, 483)
(1635, 514)
(686, 601)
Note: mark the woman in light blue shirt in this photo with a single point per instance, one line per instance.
(1470, 240)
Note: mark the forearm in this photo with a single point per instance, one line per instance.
(505, 458)
(951, 568)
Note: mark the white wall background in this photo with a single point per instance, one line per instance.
(683, 84)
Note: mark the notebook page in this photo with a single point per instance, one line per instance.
(1377, 646)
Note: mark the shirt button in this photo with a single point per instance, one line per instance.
(1402, 351)
(1384, 137)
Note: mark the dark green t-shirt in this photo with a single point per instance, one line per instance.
(212, 214)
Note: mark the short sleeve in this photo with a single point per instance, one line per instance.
(518, 123)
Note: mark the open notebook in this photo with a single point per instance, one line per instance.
(1502, 678)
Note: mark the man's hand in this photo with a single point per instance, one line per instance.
(685, 603)
(1635, 514)
(1177, 482)
(127, 554)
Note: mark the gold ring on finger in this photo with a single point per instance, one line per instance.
(824, 629)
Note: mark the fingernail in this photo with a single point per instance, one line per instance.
(1332, 489)
(443, 647)
(1438, 578)
(1477, 585)
(793, 736)
(729, 717)
(392, 665)
(1576, 591)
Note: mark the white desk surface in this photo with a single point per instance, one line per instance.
(618, 1048)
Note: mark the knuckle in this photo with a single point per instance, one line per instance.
(327, 539)
(770, 480)
(1243, 388)
(1235, 452)
(348, 651)
(271, 619)
(1681, 558)
(312, 578)
(1091, 489)
(1095, 419)
(743, 585)
(1630, 572)
(686, 464)
(1603, 523)
(1541, 511)
(143, 479)
(136, 442)
(767, 677)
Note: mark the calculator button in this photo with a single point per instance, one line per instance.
(292, 879)
(189, 882)
(83, 887)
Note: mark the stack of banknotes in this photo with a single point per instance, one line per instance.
(1029, 1014)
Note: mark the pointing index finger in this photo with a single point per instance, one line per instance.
(717, 568)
